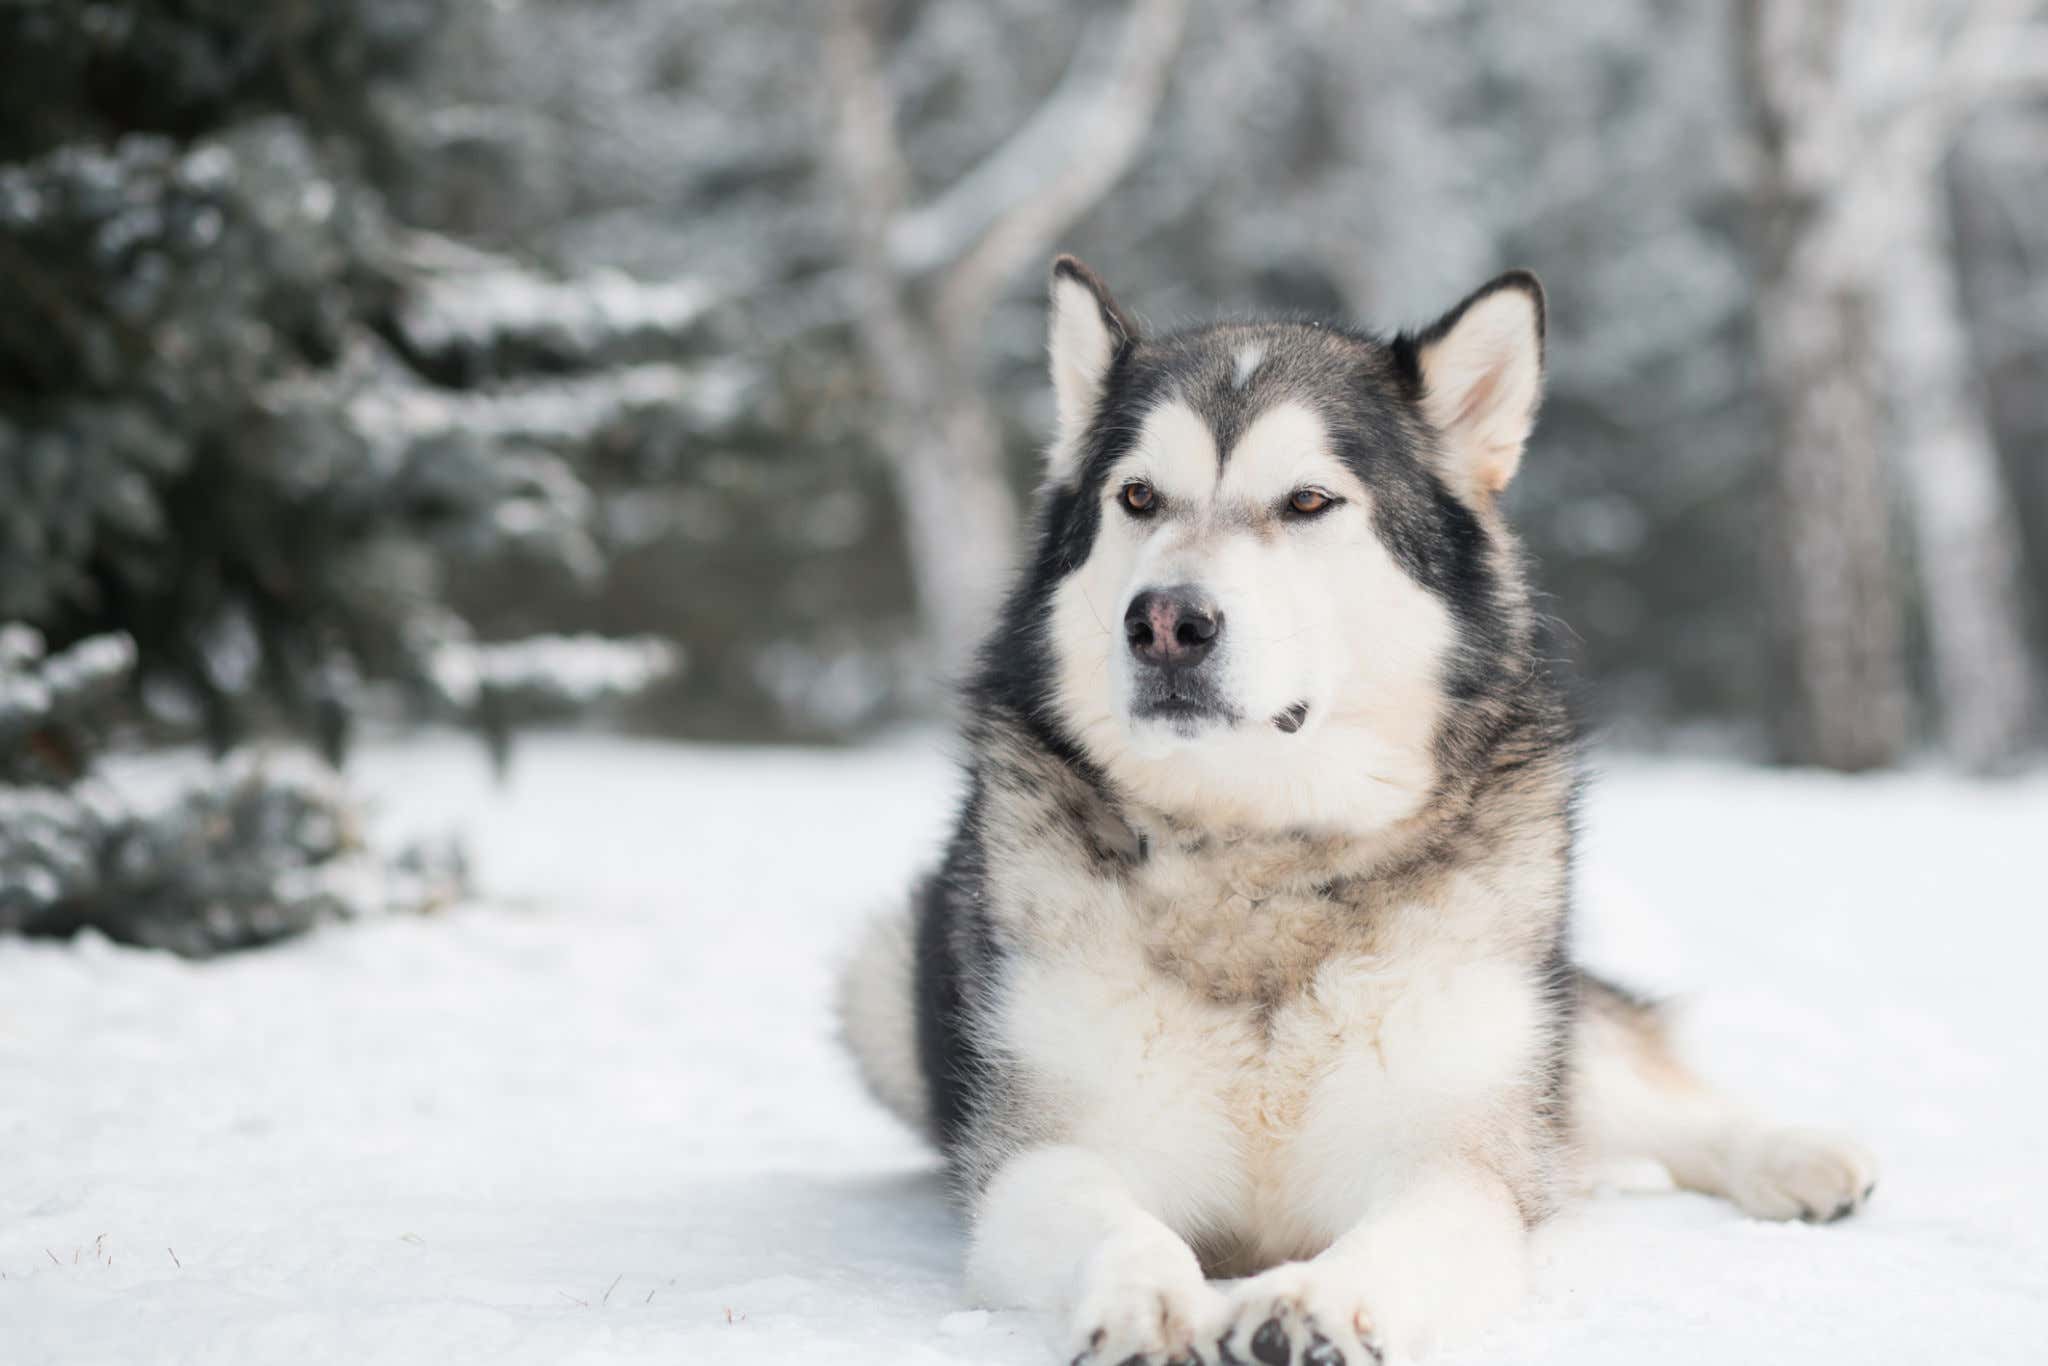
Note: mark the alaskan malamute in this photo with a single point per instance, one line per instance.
(1250, 955)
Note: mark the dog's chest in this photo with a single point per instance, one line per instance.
(1197, 1016)
(1249, 922)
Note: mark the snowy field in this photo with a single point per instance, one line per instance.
(602, 1118)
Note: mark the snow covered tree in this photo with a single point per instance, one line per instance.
(621, 256)
(1372, 161)
(1860, 328)
(1342, 160)
(1997, 186)
(223, 437)
(1817, 337)
(1928, 67)
(269, 850)
(253, 434)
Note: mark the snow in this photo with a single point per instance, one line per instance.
(562, 410)
(602, 1117)
(477, 307)
(581, 670)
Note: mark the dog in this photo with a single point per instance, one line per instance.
(1249, 957)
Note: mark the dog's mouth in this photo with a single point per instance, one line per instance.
(1185, 704)
(1178, 709)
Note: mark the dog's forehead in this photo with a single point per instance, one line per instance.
(1241, 404)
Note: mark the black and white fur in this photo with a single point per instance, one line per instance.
(1249, 957)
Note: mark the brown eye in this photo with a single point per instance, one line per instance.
(1308, 502)
(1138, 496)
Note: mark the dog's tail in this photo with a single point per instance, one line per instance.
(878, 1014)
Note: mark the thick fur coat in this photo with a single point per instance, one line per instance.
(1250, 955)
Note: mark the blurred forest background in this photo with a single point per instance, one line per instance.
(378, 360)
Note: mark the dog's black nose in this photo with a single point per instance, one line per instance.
(1172, 627)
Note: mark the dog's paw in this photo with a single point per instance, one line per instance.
(1300, 1314)
(1142, 1303)
(1800, 1174)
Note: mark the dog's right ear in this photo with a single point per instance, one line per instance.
(1479, 369)
(1087, 333)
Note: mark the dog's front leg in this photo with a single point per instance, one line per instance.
(1400, 1169)
(1059, 1229)
(1440, 1255)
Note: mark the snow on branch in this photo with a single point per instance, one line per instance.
(942, 231)
(498, 687)
(563, 411)
(563, 673)
(38, 692)
(1100, 146)
(488, 315)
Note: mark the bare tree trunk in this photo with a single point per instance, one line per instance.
(927, 279)
(1839, 611)
(1936, 61)
(1968, 540)
(960, 514)
(946, 462)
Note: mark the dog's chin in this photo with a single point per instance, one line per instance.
(1160, 726)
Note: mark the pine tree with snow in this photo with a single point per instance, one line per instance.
(253, 434)
(265, 852)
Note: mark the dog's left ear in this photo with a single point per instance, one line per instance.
(1087, 332)
(1480, 372)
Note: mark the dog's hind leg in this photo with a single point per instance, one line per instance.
(1634, 1097)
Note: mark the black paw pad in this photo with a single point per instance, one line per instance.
(1322, 1352)
(1269, 1344)
(1817, 1216)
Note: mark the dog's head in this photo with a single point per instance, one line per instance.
(1270, 566)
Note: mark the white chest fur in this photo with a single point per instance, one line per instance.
(1255, 1064)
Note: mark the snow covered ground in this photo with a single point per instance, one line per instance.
(603, 1118)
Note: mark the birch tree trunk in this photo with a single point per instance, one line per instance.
(945, 457)
(1936, 61)
(928, 277)
(1966, 535)
(1839, 612)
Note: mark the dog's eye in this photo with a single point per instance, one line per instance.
(1138, 496)
(1308, 502)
